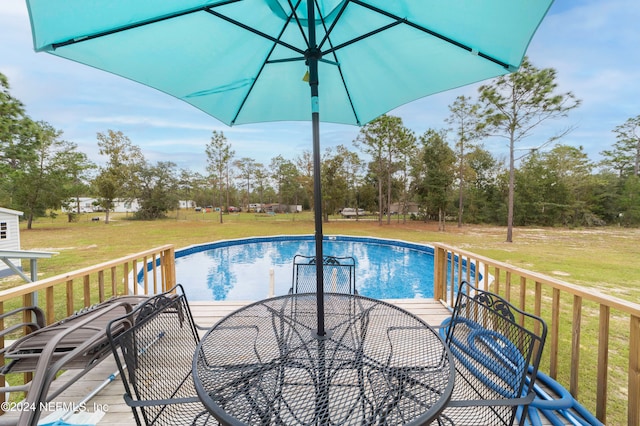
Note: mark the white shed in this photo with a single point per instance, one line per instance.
(9, 237)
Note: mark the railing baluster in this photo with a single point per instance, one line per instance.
(555, 334)
(87, 289)
(154, 272)
(453, 275)
(50, 304)
(523, 297)
(468, 263)
(125, 273)
(145, 274)
(603, 363)
(537, 308)
(485, 277)
(69, 297)
(114, 285)
(101, 286)
(575, 346)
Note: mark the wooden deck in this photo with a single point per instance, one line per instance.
(110, 399)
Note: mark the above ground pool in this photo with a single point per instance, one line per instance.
(240, 269)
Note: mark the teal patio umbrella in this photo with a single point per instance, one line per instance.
(247, 61)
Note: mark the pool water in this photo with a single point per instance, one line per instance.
(239, 269)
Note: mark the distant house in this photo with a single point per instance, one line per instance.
(281, 208)
(409, 208)
(86, 205)
(9, 237)
(91, 205)
(186, 204)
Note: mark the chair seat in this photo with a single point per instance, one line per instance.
(26, 353)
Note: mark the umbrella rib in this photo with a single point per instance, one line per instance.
(336, 20)
(363, 36)
(267, 61)
(256, 32)
(80, 39)
(327, 39)
(278, 61)
(295, 14)
(432, 33)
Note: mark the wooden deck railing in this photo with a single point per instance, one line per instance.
(593, 343)
(62, 295)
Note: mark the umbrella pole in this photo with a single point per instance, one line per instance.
(312, 55)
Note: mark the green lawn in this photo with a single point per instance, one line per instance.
(604, 258)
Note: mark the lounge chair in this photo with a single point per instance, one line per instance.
(78, 343)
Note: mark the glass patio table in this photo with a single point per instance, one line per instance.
(377, 364)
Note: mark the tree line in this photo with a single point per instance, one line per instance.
(446, 173)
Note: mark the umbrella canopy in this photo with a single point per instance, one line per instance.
(246, 61)
(243, 61)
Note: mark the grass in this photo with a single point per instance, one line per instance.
(600, 258)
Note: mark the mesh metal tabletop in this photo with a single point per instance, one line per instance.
(378, 364)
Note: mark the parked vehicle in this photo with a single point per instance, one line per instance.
(351, 212)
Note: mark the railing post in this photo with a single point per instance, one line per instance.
(439, 273)
(167, 260)
(172, 267)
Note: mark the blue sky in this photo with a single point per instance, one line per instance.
(594, 45)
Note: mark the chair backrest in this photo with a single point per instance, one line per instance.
(154, 355)
(497, 348)
(339, 274)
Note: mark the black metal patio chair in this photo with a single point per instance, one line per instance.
(339, 274)
(497, 349)
(154, 355)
